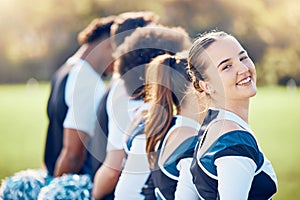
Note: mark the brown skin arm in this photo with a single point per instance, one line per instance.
(73, 154)
(107, 175)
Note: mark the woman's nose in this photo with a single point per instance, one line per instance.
(241, 67)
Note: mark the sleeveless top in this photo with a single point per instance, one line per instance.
(165, 175)
(56, 111)
(240, 143)
(97, 145)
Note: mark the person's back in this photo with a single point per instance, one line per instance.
(171, 127)
(124, 24)
(133, 55)
(76, 91)
(56, 111)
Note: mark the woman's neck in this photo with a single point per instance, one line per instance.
(190, 108)
(240, 108)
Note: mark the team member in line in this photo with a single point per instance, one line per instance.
(131, 57)
(171, 127)
(106, 176)
(228, 163)
(77, 88)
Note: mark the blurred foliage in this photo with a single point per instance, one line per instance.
(38, 36)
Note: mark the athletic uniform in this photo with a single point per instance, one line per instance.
(233, 166)
(76, 92)
(136, 167)
(120, 110)
(172, 174)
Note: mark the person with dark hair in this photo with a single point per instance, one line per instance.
(171, 127)
(127, 22)
(124, 24)
(126, 98)
(76, 89)
(228, 162)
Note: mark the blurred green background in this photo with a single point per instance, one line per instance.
(36, 37)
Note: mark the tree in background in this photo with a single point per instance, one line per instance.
(37, 36)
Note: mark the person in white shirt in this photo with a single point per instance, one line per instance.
(116, 109)
(133, 55)
(77, 88)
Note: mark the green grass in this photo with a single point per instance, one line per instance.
(23, 125)
(274, 117)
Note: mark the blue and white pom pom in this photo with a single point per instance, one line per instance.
(68, 187)
(24, 184)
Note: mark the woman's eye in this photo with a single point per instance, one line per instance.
(243, 58)
(226, 66)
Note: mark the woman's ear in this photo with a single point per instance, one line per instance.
(205, 86)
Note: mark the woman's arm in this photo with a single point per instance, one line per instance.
(185, 188)
(108, 174)
(235, 175)
(73, 153)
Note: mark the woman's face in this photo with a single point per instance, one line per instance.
(231, 72)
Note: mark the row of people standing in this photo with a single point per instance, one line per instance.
(153, 118)
(172, 123)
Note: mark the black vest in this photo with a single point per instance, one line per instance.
(166, 185)
(98, 143)
(56, 110)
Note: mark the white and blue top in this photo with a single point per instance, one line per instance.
(233, 165)
(136, 168)
(170, 163)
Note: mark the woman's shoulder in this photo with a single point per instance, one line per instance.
(225, 134)
(179, 144)
(232, 133)
(177, 149)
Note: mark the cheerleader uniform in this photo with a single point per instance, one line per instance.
(233, 166)
(136, 167)
(165, 176)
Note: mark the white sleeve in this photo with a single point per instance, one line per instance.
(120, 110)
(135, 172)
(185, 187)
(235, 175)
(84, 90)
(118, 117)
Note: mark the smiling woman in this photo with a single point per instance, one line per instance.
(228, 163)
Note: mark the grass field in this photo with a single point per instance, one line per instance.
(274, 117)
(23, 124)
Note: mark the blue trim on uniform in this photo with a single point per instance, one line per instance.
(138, 130)
(184, 150)
(234, 143)
(166, 185)
(158, 194)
